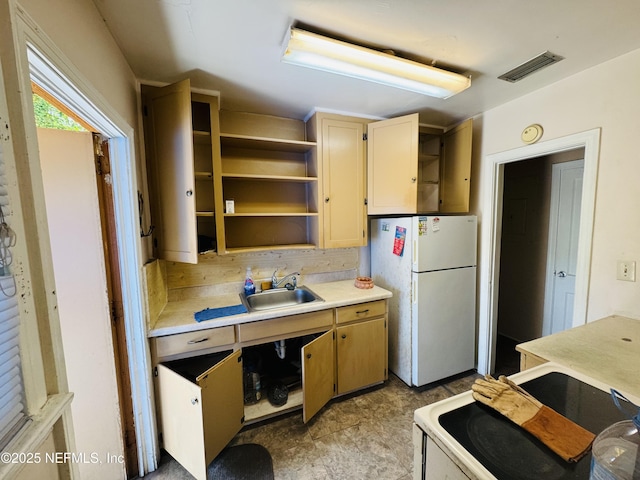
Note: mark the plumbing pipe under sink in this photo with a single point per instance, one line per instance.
(280, 349)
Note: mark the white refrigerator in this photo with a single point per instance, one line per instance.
(429, 264)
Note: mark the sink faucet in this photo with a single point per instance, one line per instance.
(290, 281)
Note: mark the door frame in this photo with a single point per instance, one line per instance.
(553, 235)
(46, 65)
(491, 232)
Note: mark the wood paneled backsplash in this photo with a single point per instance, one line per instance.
(216, 275)
(155, 284)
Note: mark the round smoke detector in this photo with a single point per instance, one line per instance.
(532, 133)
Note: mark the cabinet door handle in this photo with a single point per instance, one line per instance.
(344, 335)
(194, 401)
(200, 340)
(326, 199)
(413, 179)
(308, 355)
(360, 312)
(189, 193)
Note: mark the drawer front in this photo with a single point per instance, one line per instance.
(248, 332)
(361, 311)
(192, 341)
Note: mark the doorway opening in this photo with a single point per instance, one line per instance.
(491, 234)
(526, 243)
(44, 69)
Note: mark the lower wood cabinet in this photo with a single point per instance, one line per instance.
(361, 354)
(318, 365)
(201, 398)
(201, 407)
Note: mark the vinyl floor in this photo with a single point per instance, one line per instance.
(364, 436)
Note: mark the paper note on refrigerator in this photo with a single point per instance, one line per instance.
(422, 226)
(398, 242)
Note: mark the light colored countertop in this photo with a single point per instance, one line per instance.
(178, 316)
(607, 350)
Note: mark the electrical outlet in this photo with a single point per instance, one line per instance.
(626, 270)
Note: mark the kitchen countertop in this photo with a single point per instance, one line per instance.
(607, 350)
(178, 316)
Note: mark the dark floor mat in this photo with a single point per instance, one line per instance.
(242, 462)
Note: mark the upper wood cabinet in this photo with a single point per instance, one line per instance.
(392, 150)
(182, 147)
(199, 159)
(269, 172)
(341, 155)
(414, 169)
(455, 169)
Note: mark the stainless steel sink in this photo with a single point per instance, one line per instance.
(279, 298)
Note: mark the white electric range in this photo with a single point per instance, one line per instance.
(459, 439)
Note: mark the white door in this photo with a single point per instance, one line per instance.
(73, 216)
(564, 230)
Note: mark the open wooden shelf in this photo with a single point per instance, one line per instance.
(264, 143)
(270, 178)
(203, 175)
(271, 214)
(263, 409)
(262, 248)
(201, 137)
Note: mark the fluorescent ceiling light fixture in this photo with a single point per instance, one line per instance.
(327, 54)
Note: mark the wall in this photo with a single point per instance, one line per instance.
(80, 39)
(77, 30)
(216, 275)
(75, 231)
(606, 97)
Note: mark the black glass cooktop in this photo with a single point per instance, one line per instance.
(509, 452)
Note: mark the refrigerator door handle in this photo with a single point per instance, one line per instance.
(415, 253)
(414, 294)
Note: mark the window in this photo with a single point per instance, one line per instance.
(12, 407)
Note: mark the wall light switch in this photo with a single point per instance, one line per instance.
(626, 270)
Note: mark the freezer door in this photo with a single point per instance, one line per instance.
(441, 242)
(443, 321)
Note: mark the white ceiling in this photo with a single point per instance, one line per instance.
(234, 47)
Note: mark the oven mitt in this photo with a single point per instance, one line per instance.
(564, 437)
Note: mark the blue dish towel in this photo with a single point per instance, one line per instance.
(209, 313)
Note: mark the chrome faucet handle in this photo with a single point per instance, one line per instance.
(291, 284)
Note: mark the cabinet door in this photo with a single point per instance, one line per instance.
(168, 113)
(199, 419)
(317, 374)
(361, 354)
(222, 404)
(343, 186)
(455, 169)
(392, 151)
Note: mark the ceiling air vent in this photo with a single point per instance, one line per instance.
(527, 68)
